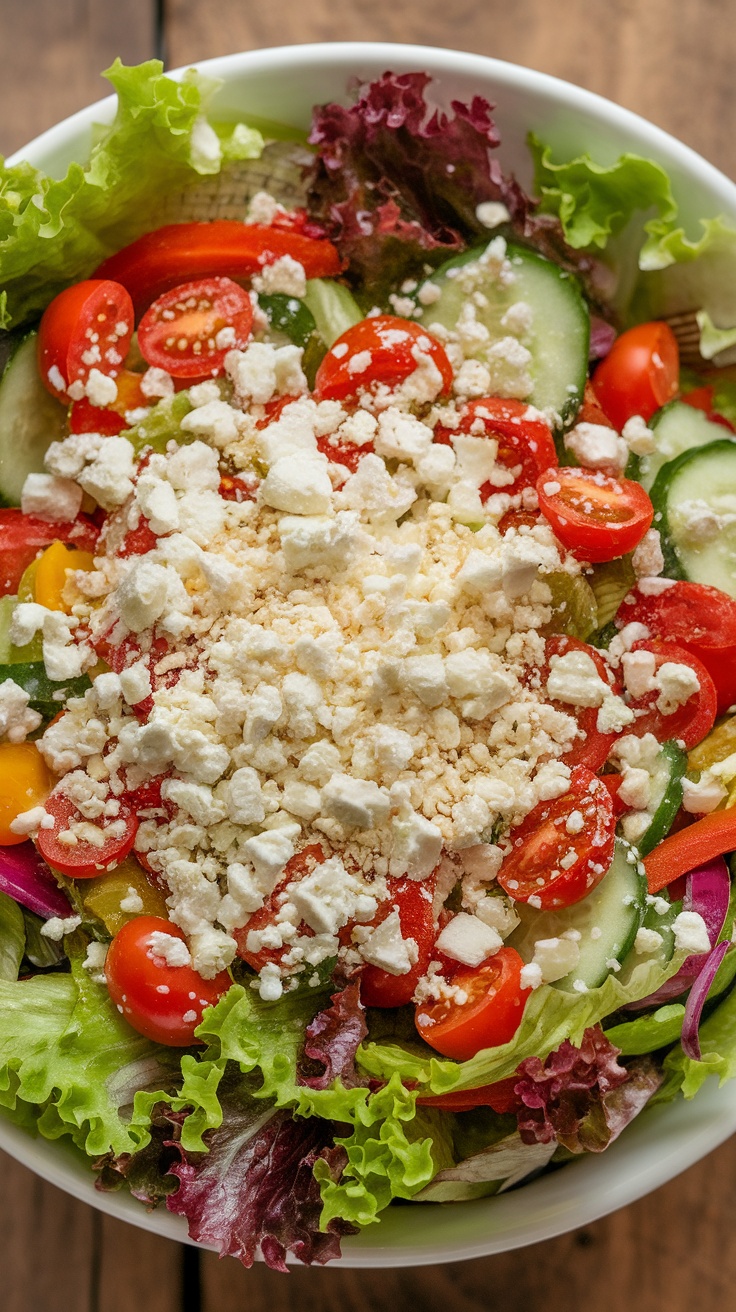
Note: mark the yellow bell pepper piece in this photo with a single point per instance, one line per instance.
(25, 782)
(103, 896)
(51, 574)
(720, 743)
(27, 585)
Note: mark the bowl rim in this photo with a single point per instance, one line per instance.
(685, 1131)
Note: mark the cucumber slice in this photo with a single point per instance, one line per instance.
(10, 654)
(30, 420)
(662, 922)
(47, 696)
(695, 498)
(677, 428)
(666, 800)
(615, 908)
(288, 318)
(560, 323)
(333, 307)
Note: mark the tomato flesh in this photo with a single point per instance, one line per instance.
(22, 537)
(85, 859)
(596, 516)
(500, 1097)
(183, 251)
(592, 748)
(382, 350)
(181, 330)
(564, 847)
(698, 618)
(412, 899)
(490, 1016)
(525, 445)
(690, 722)
(640, 374)
(163, 1002)
(88, 326)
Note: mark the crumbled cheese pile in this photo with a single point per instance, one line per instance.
(341, 660)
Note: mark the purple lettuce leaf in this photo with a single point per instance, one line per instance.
(333, 1038)
(146, 1173)
(397, 184)
(582, 1097)
(255, 1188)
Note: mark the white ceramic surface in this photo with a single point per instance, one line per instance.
(283, 84)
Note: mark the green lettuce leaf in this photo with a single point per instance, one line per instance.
(718, 1048)
(63, 1048)
(550, 1016)
(55, 231)
(12, 938)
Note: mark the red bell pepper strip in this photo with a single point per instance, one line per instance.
(700, 842)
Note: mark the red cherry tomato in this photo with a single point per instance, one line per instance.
(500, 1097)
(700, 619)
(85, 859)
(110, 420)
(563, 848)
(88, 326)
(518, 519)
(590, 411)
(412, 899)
(491, 1016)
(525, 445)
(613, 783)
(593, 748)
(703, 398)
(181, 251)
(165, 1003)
(237, 489)
(689, 722)
(128, 652)
(300, 865)
(343, 453)
(596, 516)
(22, 537)
(179, 331)
(384, 350)
(640, 374)
(139, 540)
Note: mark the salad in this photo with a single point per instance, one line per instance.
(367, 659)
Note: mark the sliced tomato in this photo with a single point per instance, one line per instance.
(500, 1097)
(88, 326)
(591, 411)
(490, 1016)
(525, 444)
(182, 251)
(593, 747)
(613, 783)
(518, 519)
(139, 540)
(22, 537)
(640, 374)
(164, 1002)
(237, 489)
(690, 722)
(696, 617)
(300, 865)
(382, 350)
(563, 848)
(109, 420)
(180, 331)
(596, 516)
(412, 898)
(128, 652)
(84, 859)
(344, 453)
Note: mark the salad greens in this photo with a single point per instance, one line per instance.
(297, 1121)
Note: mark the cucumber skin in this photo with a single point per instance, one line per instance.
(670, 803)
(673, 567)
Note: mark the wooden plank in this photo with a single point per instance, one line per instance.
(53, 52)
(47, 1244)
(136, 1270)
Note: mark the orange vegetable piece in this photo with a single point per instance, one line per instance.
(51, 574)
(25, 782)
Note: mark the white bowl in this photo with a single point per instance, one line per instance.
(283, 84)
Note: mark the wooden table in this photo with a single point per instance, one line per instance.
(672, 61)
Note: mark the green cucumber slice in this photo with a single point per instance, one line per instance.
(615, 908)
(694, 498)
(30, 420)
(47, 696)
(666, 800)
(557, 337)
(288, 317)
(333, 307)
(677, 428)
(10, 654)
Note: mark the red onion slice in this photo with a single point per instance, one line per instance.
(696, 1000)
(25, 876)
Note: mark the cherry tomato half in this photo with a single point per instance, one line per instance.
(689, 722)
(88, 326)
(384, 349)
(592, 748)
(491, 1016)
(85, 859)
(595, 516)
(22, 537)
(301, 864)
(163, 1002)
(109, 420)
(179, 332)
(640, 374)
(697, 617)
(412, 899)
(563, 848)
(180, 251)
(525, 445)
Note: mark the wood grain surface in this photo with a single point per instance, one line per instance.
(672, 61)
